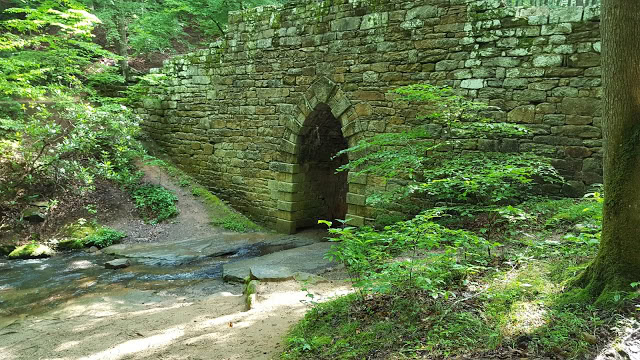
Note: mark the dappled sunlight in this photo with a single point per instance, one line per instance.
(524, 318)
(134, 346)
(160, 309)
(133, 324)
(529, 280)
(80, 265)
(7, 354)
(67, 345)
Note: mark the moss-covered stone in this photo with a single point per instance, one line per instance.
(31, 251)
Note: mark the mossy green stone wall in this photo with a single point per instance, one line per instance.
(233, 115)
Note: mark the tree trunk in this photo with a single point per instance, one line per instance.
(124, 48)
(618, 261)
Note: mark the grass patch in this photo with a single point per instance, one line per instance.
(380, 326)
(220, 214)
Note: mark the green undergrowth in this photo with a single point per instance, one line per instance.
(155, 202)
(220, 214)
(517, 303)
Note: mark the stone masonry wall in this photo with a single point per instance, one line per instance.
(234, 115)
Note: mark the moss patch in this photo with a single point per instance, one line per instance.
(221, 214)
(81, 235)
(31, 251)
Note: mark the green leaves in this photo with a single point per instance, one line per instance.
(155, 202)
(440, 160)
(409, 256)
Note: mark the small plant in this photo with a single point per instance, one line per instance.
(103, 237)
(155, 202)
(431, 164)
(409, 257)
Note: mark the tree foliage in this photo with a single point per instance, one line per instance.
(432, 160)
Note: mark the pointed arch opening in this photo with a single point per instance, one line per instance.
(306, 187)
(325, 189)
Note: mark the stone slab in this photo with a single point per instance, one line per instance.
(281, 266)
(189, 250)
(117, 264)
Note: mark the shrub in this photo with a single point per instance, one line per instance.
(155, 202)
(103, 237)
(429, 164)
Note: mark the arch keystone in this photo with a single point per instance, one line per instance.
(321, 90)
(339, 104)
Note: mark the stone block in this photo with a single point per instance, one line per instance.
(522, 114)
(566, 15)
(536, 96)
(585, 60)
(547, 60)
(287, 187)
(553, 29)
(579, 120)
(353, 179)
(375, 20)
(422, 12)
(581, 131)
(346, 24)
(284, 168)
(472, 83)
(356, 199)
(579, 152)
(289, 177)
(369, 95)
(580, 106)
(285, 226)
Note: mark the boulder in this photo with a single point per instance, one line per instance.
(33, 214)
(271, 273)
(117, 264)
(31, 251)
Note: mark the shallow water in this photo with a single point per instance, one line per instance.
(31, 286)
(37, 285)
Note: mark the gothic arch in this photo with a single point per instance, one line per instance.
(294, 193)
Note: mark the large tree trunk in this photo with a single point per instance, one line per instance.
(618, 260)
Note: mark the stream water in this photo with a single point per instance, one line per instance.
(35, 285)
(38, 285)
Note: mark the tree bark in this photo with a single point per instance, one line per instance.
(618, 261)
(123, 48)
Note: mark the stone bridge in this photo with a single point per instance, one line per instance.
(259, 114)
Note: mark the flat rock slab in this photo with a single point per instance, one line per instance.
(189, 250)
(117, 264)
(282, 265)
(270, 273)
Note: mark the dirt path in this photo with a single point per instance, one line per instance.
(133, 324)
(192, 221)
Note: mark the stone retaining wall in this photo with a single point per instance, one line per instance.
(236, 115)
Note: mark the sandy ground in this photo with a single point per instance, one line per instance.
(134, 324)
